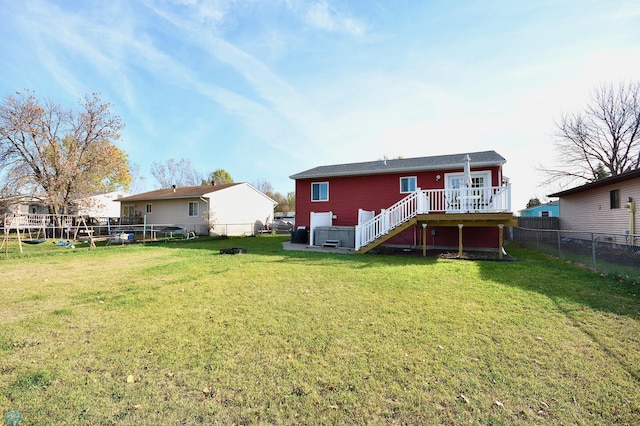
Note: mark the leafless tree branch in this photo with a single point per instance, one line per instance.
(603, 140)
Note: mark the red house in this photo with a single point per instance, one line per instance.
(411, 202)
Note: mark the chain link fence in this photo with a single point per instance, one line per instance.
(609, 254)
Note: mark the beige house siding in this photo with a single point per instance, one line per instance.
(174, 212)
(237, 210)
(590, 210)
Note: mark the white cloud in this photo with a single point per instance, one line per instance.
(321, 15)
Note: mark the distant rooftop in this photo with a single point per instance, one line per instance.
(178, 192)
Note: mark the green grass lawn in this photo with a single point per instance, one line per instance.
(176, 333)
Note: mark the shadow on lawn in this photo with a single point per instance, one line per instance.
(574, 290)
(563, 282)
(533, 271)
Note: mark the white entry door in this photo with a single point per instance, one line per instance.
(319, 219)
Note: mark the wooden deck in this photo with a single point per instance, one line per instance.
(467, 219)
(459, 220)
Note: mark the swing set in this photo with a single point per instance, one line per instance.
(26, 225)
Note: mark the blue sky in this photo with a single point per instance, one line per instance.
(268, 88)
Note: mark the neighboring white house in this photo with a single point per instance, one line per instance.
(228, 209)
(99, 205)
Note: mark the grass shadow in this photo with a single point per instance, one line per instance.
(564, 283)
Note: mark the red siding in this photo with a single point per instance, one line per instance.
(376, 192)
(447, 236)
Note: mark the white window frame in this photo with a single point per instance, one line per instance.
(453, 193)
(319, 200)
(148, 208)
(197, 208)
(486, 174)
(408, 179)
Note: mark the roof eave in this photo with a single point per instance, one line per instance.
(183, 197)
(395, 170)
(634, 174)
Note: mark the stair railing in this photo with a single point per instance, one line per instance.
(388, 219)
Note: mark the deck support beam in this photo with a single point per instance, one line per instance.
(500, 240)
(460, 225)
(424, 240)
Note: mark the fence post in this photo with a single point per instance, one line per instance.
(593, 250)
(559, 245)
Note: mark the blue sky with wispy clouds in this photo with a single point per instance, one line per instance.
(268, 88)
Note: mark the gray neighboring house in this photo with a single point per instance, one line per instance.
(604, 206)
(20, 205)
(229, 209)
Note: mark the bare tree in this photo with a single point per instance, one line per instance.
(56, 154)
(137, 180)
(285, 203)
(263, 186)
(178, 173)
(603, 140)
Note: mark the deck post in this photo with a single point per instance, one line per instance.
(460, 225)
(500, 239)
(424, 240)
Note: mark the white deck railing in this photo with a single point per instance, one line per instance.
(470, 200)
(400, 212)
(462, 200)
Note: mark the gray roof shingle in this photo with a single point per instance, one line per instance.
(179, 192)
(438, 162)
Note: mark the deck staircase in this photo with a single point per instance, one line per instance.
(405, 213)
(391, 222)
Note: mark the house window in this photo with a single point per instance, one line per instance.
(128, 211)
(193, 208)
(477, 182)
(545, 213)
(408, 184)
(148, 210)
(320, 191)
(614, 198)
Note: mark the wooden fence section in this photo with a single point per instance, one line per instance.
(539, 222)
(526, 225)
